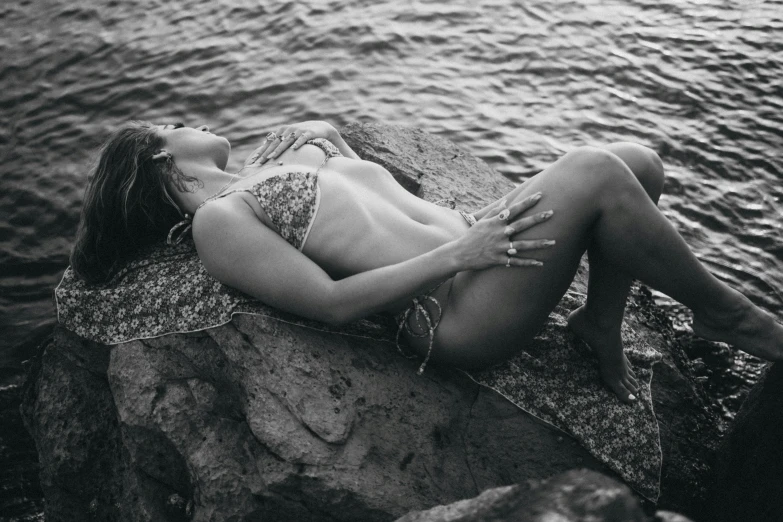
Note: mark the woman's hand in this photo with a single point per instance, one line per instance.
(287, 136)
(490, 242)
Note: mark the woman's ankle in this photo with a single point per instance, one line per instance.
(598, 319)
(726, 314)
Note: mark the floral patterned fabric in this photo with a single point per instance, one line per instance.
(327, 146)
(563, 387)
(291, 200)
(167, 290)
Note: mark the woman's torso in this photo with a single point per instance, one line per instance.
(364, 220)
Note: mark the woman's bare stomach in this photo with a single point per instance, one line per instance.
(380, 231)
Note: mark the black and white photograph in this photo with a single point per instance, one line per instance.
(391, 260)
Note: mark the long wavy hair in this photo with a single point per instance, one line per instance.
(127, 204)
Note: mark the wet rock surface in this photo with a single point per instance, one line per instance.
(748, 480)
(265, 418)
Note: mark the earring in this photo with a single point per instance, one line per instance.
(162, 155)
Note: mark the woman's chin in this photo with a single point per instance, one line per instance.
(224, 153)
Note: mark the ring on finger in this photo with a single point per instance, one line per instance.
(271, 136)
(504, 214)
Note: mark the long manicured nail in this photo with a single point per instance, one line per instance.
(549, 242)
(631, 397)
(536, 196)
(547, 214)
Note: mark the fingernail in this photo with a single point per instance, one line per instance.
(538, 263)
(537, 196)
(548, 213)
(549, 242)
(509, 231)
(632, 397)
(503, 202)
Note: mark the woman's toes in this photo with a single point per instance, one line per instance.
(622, 392)
(632, 386)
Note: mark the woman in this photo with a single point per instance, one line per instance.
(314, 230)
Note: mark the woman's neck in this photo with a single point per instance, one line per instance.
(212, 180)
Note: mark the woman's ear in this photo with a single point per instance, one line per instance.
(163, 155)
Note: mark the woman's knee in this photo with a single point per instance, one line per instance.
(645, 164)
(599, 169)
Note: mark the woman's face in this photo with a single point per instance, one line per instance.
(194, 144)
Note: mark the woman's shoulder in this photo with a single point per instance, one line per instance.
(231, 210)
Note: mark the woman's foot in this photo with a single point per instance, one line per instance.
(746, 327)
(607, 343)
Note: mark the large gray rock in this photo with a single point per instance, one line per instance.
(575, 496)
(262, 418)
(748, 480)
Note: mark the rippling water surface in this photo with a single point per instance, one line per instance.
(516, 83)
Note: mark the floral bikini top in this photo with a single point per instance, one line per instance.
(290, 200)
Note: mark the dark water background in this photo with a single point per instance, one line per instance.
(516, 83)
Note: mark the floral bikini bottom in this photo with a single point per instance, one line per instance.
(424, 322)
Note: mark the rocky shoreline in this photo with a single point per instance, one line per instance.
(262, 418)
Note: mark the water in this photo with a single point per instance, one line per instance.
(515, 83)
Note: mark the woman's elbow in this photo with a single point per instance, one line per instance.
(339, 312)
(336, 316)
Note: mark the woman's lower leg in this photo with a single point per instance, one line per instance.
(632, 233)
(598, 202)
(598, 322)
(608, 285)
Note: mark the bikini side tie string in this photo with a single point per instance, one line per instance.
(418, 309)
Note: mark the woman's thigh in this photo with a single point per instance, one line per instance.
(490, 314)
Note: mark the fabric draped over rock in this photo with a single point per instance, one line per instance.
(166, 289)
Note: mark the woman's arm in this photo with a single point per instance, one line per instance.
(240, 251)
(304, 131)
